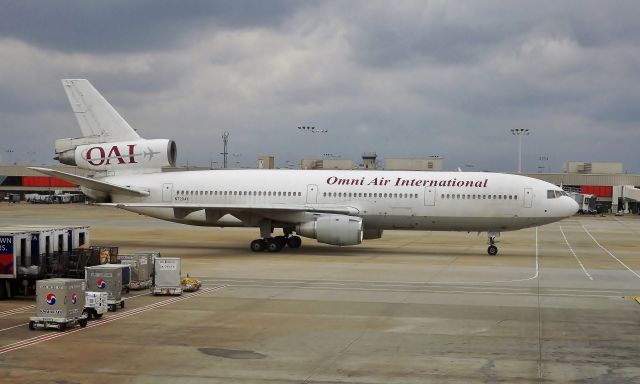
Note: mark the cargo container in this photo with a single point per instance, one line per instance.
(140, 264)
(59, 304)
(106, 278)
(166, 276)
(95, 304)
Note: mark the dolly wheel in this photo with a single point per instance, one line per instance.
(83, 323)
(97, 315)
(63, 326)
(122, 304)
(32, 325)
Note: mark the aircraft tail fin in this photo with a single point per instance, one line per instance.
(108, 143)
(96, 117)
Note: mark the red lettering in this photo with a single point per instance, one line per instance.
(115, 151)
(92, 162)
(132, 158)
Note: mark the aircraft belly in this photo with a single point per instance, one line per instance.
(450, 223)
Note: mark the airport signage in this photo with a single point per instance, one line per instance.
(7, 259)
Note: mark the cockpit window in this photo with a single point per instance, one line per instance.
(551, 194)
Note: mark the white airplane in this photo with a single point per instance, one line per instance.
(332, 206)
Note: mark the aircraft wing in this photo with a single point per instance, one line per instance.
(92, 183)
(231, 208)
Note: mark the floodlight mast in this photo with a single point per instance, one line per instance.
(519, 132)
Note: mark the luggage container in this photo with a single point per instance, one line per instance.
(106, 278)
(166, 276)
(59, 304)
(140, 269)
(95, 304)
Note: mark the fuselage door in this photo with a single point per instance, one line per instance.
(528, 197)
(430, 196)
(312, 194)
(167, 191)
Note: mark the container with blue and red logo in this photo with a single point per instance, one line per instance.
(60, 300)
(106, 278)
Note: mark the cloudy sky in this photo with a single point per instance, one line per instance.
(401, 78)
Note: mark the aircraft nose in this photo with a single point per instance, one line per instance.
(571, 206)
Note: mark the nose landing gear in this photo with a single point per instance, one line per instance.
(492, 250)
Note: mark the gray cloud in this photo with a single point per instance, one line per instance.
(401, 78)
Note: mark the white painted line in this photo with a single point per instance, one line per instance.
(610, 254)
(574, 254)
(50, 336)
(16, 310)
(451, 291)
(15, 326)
(535, 276)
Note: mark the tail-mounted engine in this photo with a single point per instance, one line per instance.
(124, 155)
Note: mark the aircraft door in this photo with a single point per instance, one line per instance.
(528, 197)
(430, 196)
(167, 191)
(312, 194)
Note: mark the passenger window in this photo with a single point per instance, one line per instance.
(515, 197)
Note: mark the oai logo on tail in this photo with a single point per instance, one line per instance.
(102, 284)
(51, 298)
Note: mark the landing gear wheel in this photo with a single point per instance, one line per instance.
(258, 245)
(281, 240)
(32, 325)
(294, 242)
(273, 245)
(83, 323)
(492, 250)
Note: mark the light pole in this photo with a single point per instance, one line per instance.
(225, 153)
(520, 132)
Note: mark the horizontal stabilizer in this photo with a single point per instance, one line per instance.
(93, 183)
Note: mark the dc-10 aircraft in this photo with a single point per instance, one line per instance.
(335, 207)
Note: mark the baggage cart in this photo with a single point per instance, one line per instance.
(106, 278)
(166, 276)
(95, 304)
(59, 304)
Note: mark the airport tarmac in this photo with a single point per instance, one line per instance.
(555, 305)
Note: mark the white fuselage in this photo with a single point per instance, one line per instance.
(440, 201)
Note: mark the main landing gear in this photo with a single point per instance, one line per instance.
(492, 250)
(275, 244)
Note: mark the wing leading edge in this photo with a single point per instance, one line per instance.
(93, 183)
